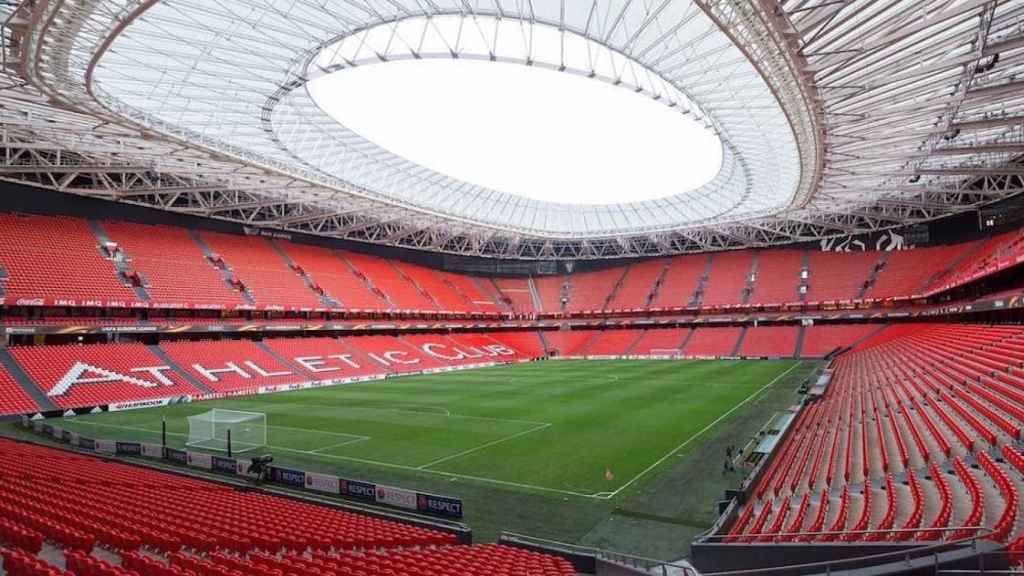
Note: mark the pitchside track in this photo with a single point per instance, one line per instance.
(587, 429)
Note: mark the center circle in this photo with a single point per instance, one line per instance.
(528, 131)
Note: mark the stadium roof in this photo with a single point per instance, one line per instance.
(835, 116)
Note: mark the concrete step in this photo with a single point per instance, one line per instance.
(26, 382)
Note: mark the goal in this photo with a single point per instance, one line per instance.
(213, 429)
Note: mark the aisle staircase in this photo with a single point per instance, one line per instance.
(366, 280)
(877, 269)
(652, 295)
(534, 294)
(121, 264)
(748, 288)
(325, 298)
(25, 381)
(698, 293)
(178, 369)
(225, 270)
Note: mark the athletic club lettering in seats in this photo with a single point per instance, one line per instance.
(102, 374)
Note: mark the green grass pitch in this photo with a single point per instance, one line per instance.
(532, 433)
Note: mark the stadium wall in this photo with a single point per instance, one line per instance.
(281, 482)
(790, 559)
(42, 201)
(20, 198)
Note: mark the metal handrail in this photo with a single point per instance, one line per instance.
(992, 553)
(719, 537)
(831, 565)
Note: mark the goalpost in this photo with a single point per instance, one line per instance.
(667, 352)
(227, 430)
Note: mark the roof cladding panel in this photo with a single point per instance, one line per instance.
(896, 112)
(205, 67)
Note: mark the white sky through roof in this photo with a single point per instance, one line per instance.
(528, 131)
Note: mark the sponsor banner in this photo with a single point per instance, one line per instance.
(398, 497)
(440, 505)
(153, 403)
(106, 446)
(176, 456)
(358, 490)
(152, 450)
(223, 464)
(323, 483)
(288, 476)
(129, 448)
(242, 468)
(30, 302)
(129, 329)
(199, 460)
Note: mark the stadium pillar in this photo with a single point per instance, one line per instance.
(163, 431)
(229, 442)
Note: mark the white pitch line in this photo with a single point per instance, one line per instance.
(696, 435)
(314, 431)
(453, 475)
(593, 496)
(483, 446)
(407, 411)
(354, 440)
(390, 465)
(380, 409)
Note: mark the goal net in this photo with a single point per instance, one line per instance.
(211, 430)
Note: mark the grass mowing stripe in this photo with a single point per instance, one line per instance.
(318, 453)
(486, 425)
(482, 446)
(340, 444)
(702, 431)
(551, 483)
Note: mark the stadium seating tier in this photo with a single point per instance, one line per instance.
(263, 270)
(156, 523)
(47, 260)
(924, 401)
(728, 278)
(172, 265)
(180, 268)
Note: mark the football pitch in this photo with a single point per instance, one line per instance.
(590, 431)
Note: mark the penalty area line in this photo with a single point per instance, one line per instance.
(386, 465)
(698, 434)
